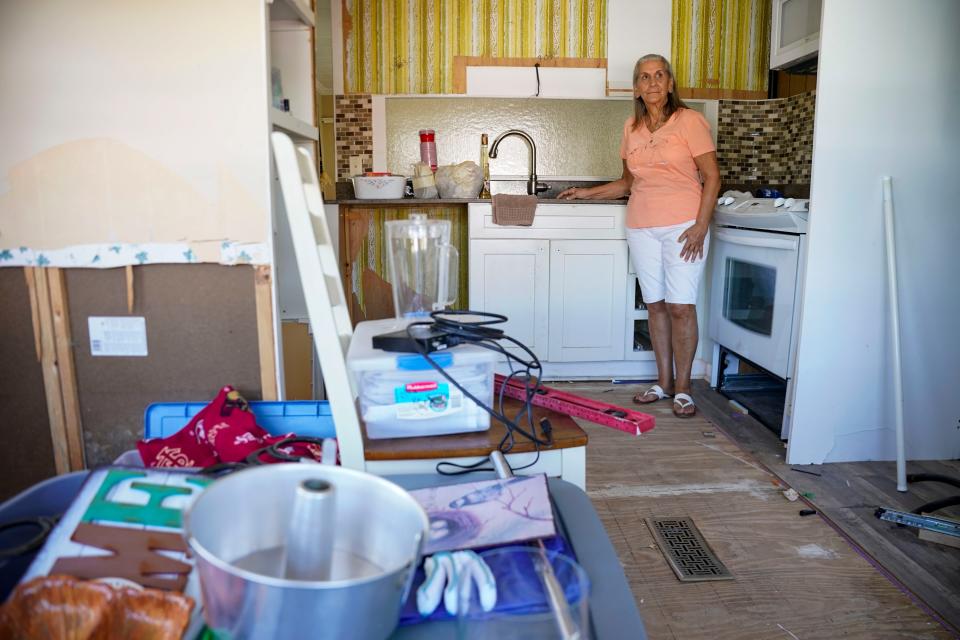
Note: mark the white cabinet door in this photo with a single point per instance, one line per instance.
(511, 277)
(587, 300)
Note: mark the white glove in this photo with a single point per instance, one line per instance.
(450, 575)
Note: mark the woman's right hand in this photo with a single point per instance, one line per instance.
(573, 193)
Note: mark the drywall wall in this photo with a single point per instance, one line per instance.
(133, 122)
(898, 65)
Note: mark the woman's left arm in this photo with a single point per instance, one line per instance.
(694, 236)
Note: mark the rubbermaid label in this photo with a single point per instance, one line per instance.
(427, 399)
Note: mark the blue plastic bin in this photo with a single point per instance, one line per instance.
(302, 417)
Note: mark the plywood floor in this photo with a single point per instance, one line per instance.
(796, 578)
(849, 493)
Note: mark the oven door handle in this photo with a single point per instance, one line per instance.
(753, 241)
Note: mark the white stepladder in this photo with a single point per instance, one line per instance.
(332, 330)
(322, 289)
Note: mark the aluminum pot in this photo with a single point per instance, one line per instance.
(242, 529)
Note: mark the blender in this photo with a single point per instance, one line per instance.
(423, 268)
(423, 265)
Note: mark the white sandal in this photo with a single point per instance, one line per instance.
(655, 390)
(683, 400)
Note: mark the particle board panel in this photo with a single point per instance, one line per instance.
(201, 334)
(297, 361)
(795, 576)
(848, 493)
(26, 456)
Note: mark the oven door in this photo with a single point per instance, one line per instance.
(753, 294)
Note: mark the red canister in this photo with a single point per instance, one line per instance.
(428, 148)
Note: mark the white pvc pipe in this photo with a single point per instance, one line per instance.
(894, 329)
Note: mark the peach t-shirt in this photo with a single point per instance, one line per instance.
(666, 182)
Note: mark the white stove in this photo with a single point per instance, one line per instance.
(758, 257)
(788, 215)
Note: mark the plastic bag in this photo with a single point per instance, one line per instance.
(462, 180)
(424, 182)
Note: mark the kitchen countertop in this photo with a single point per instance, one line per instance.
(345, 196)
(435, 201)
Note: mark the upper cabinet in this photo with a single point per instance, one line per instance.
(291, 61)
(795, 32)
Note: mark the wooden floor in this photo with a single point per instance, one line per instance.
(796, 577)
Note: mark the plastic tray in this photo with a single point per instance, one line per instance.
(302, 417)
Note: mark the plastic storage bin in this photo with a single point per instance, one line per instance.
(302, 417)
(401, 395)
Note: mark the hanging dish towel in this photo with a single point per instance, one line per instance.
(512, 210)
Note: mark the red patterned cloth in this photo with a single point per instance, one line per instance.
(223, 431)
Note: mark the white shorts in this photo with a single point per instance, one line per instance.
(663, 274)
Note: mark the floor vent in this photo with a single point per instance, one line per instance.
(689, 555)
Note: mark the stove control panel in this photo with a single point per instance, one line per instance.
(787, 215)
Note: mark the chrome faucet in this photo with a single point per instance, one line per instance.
(533, 187)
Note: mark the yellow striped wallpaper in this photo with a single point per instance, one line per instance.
(721, 45)
(408, 46)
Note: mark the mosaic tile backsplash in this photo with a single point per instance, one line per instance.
(759, 141)
(354, 131)
(766, 141)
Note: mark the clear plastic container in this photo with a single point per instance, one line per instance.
(402, 396)
(423, 265)
(522, 608)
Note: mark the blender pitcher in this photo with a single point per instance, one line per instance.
(423, 265)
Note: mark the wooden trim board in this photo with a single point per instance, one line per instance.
(68, 374)
(265, 346)
(722, 94)
(59, 376)
(130, 299)
(460, 64)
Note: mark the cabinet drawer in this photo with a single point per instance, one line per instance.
(555, 221)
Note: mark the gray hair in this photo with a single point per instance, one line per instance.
(674, 103)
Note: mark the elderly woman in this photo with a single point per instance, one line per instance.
(670, 173)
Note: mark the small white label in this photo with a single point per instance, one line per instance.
(117, 336)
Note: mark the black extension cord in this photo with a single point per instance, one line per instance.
(479, 331)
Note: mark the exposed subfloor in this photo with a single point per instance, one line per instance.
(796, 577)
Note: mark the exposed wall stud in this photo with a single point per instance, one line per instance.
(67, 372)
(129, 270)
(265, 346)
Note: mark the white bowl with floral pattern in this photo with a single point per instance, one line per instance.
(379, 187)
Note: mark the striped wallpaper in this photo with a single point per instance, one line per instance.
(408, 46)
(722, 46)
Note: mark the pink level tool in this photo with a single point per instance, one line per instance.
(608, 415)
